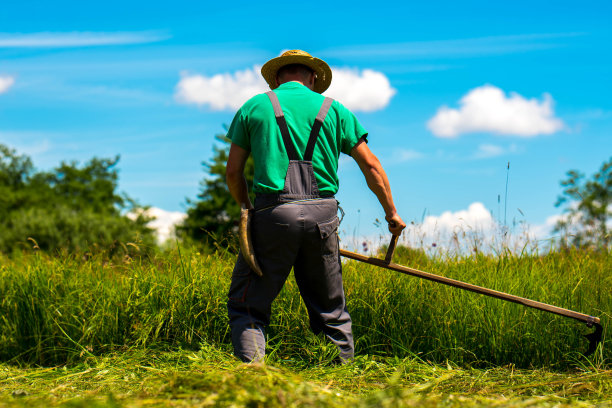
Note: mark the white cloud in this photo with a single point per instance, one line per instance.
(449, 232)
(359, 91)
(476, 218)
(164, 222)
(364, 91)
(488, 109)
(5, 83)
(464, 231)
(459, 231)
(222, 91)
(475, 227)
(77, 39)
(545, 231)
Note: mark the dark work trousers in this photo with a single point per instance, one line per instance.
(302, 235)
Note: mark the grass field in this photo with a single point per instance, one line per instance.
(154, 332)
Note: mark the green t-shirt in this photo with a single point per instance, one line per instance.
(254, 128)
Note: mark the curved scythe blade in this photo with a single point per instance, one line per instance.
(246, 245)
(594, 338)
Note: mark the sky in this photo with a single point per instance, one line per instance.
(450, 93)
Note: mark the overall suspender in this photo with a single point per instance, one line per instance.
(314, 133)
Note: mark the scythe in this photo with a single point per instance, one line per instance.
(594, 338)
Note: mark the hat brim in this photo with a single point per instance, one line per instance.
(320, 67)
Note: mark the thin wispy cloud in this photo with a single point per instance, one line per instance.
(494, 45)
(6, 82)
(405, 155)
(100, 94)
(486, 151)
(590, 114)
(365, 90)
(488, 109)
(30, 143)
(78, 39)
(34, 148)
(90, 90)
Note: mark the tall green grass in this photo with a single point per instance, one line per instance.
(54, 309)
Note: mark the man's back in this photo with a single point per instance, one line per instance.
(255, 129)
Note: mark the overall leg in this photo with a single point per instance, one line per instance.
(318, 273)
(276, 241)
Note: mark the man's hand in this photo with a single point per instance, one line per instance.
(396, 224)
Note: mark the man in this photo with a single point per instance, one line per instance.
(296, 136)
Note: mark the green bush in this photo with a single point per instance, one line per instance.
(71, 208)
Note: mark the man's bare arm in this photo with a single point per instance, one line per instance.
(234, 175)
(378, 182)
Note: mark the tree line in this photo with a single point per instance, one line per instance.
(77, 208)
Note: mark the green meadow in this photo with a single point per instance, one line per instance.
(152, 331)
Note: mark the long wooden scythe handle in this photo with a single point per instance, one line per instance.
(594, 338)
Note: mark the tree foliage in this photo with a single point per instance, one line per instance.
(587, 208)
(72, 207)
(215, 214)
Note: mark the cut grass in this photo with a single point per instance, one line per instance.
(212, 377)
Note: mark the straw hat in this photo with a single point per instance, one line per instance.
(320, 67)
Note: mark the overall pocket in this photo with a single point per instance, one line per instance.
(329, 239)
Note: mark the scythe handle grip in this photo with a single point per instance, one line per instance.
(391, 249)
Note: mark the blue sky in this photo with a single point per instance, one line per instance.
(79, 80)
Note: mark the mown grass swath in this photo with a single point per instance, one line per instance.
(211, 377)
(58, 309)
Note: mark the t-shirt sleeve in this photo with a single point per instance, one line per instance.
(352, 131)
(238, 132)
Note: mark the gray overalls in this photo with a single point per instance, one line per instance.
(295, 228)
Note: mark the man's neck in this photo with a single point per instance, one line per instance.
(294, 80)
(300, 81)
